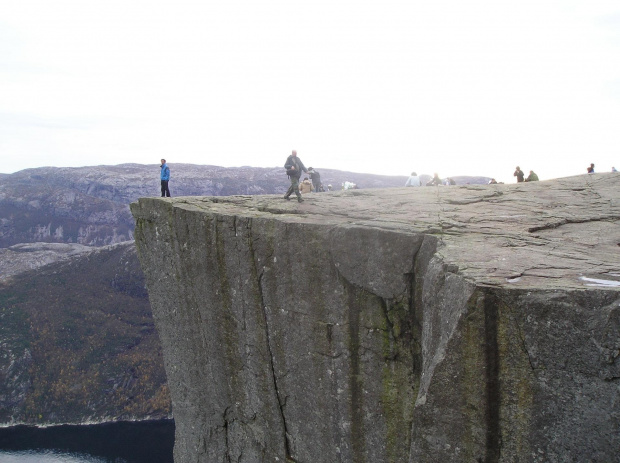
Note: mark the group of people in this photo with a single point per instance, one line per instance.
(294, 167)
(414, 180)
(590, 169)
(312, 184)
(521, 176)
(533, 177)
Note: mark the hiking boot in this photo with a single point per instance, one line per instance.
(287, 198)
(300, 200)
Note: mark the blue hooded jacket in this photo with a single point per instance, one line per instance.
(165, 172)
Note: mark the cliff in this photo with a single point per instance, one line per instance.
(470, 323)
(51, 313)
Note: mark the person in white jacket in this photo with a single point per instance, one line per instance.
(413, 180)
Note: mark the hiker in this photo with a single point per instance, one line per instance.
(519, 174)
(591, 169)
(493, 182)
(305, 186)
(413, 180)
(316, 180)
(294, 167)
(165, 178)
(532, 177)
(330, 187)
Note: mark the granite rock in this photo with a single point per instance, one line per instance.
(468, 323)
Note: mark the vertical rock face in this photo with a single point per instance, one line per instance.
(387, 325)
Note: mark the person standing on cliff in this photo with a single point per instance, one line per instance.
(165, 178)
(519, 174)
(294, 167)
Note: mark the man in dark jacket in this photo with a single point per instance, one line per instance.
(316, 180)
(294, 167)
(519, 174)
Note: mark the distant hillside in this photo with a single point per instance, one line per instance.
(89, 205)
(29, 256)
(79, 344)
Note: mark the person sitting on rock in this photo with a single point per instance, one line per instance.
(305, 186)
(532, 177)
(493, 182)
(413, 180)
(435, 181)
(519, 174)
(591, 169)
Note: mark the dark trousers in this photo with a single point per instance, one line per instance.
(293, 188)
(164, 189)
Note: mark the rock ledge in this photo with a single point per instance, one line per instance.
(471, 323)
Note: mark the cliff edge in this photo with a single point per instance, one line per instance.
(470, 323)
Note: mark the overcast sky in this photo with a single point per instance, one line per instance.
(454, 87)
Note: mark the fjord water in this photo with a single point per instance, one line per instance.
(125, 442)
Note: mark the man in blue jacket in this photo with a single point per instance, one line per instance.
(165, 177)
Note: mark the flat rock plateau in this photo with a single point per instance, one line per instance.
(459, 324)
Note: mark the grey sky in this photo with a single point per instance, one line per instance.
(388, 87)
